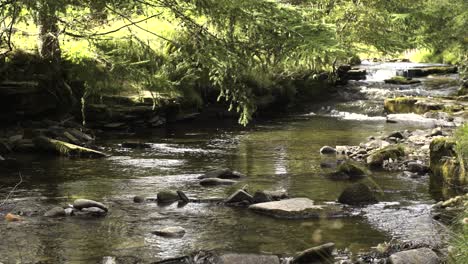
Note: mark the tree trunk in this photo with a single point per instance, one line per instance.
(49, 50)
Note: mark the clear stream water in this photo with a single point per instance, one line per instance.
(280, 154)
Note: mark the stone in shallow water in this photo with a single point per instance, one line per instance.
(319, 254)
(248, 259)
(295, 208)
(415, 256)
(92, 211)
(222, 174)
(327, 150)
(216, 181)
(357, 194)
(85, 203)
(55, 212)
(172, 231)
(167, 196)
(240, 196)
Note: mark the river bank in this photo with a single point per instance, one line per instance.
(277, 154)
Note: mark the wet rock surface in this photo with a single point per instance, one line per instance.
(170, 232)
(415, 256)
(357, 194)
(294, 208)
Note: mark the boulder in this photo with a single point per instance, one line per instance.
(445, 164)
(65, 149)
(377, 158)
(139, 199)
(240, 196)
(173, 232)
(262, 197)
(216, 181)
(357, 194)
(415, 256)
(85, 203)
(417, 167)
(350, 170)
(167, 196)
(319, 254)
(396, 134)
(248, 259)
(222, 174)
(295, 208)
(55, 212)
(327, 150)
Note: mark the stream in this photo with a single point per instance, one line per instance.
(279, 154)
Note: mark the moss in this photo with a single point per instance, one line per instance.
(376, 159)
(352, 169)
(66, 149)
(445, 164)
(400, 104)
(401, 80)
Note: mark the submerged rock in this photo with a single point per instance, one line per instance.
(66, 149)
(319, 254)
(248, 259)
(295, 208)
(85, 203)
(167, 196)
(222, 174)
(415, 256)
(240, 196)
(55, 212)
(216, 181)
(173, 232)
(357, 194)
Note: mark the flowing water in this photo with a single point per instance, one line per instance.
(280, 154)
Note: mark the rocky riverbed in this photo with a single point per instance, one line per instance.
(344, 183)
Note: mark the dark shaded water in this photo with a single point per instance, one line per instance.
(279, 154)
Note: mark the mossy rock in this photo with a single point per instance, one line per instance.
(425, 71)
(377, 158)
(401, 80)
(420, 105)
(65, 149)
(351, 170)
(445, 164)
(357, 194)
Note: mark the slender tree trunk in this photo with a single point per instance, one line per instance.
(49, 50)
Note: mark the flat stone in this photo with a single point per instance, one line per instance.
(248, 259)
(415, 256)
(319, 254)
(55, 212)
(92, 211)
(295, 208)
(173, 231)
(216, 181)
(135, 145)
(85, 203)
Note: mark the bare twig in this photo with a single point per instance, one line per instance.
(12, 191)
